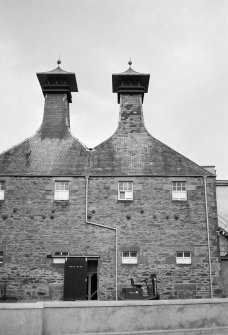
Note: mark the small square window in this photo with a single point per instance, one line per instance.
(179, 191)
(62, 191)
(59, 257)
(125, 190)
(1, 257)
(183, 257)
(129, 257)
(2, 190)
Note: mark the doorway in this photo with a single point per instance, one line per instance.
(92, 280)
(80, 279)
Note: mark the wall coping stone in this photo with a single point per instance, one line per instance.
(22, 305)
(126, 303)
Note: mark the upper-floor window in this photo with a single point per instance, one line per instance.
(125, 190)
(1, 256)
(179, 191)
(62, 190)
(129, 257)
(2, 190)
(183, 257)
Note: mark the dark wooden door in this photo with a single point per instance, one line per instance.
(75, 275)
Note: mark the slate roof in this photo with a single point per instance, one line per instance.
(117, 78)
(48, 156)
(138, 153)
(58, 74)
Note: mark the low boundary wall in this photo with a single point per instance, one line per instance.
(52, 318)
(21, 318)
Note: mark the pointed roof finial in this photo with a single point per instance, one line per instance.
(59, 61)
(130, 62)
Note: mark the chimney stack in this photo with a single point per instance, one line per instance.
(57, 86)
(130, 87)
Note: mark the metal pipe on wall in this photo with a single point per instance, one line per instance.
(208, 235)
(106, 227)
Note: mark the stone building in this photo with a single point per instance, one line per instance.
(79, 223)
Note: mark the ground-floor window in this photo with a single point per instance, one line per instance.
(129, 257)
(183, 257)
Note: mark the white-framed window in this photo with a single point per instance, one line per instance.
(1, 257)
(129, 257)
(62, 191)
(179, 191)
(2, 190)
(183, 257)
(125, 190)
(59, 257)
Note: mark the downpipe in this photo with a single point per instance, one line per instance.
(208, 235)
(105, 227)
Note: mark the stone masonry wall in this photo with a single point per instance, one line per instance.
(157, 228)
(33, 225)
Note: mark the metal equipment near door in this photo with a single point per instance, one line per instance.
(135, 292)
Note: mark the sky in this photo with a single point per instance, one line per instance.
(183, 44)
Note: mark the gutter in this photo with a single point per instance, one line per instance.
(99, 176)
(208, 235)
(105, 227)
